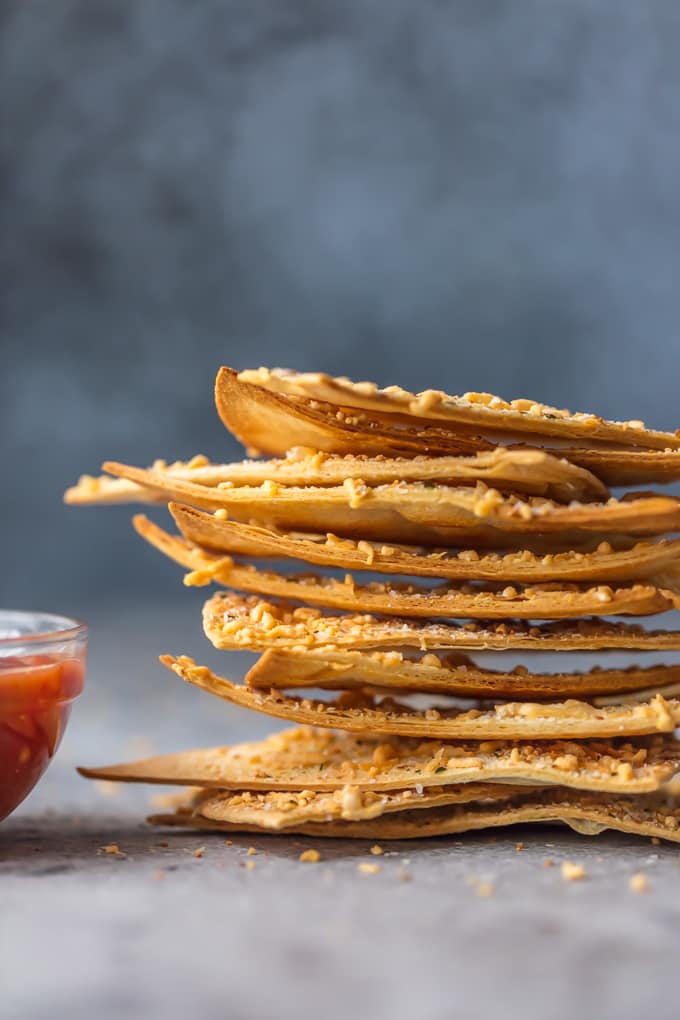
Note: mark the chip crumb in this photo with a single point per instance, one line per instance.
(198, 852)
(113, 850)
(519, 846)
(656, 841)
(548, 862)
(310, 855)
(639, 883)
(250, 865)
(377, 850)
(368, 868)
(228, 842)
(572, 872)
(251, 851)
(485, 889)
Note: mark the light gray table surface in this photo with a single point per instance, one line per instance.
(162, 933)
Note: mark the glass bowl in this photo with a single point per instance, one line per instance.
(42, 671)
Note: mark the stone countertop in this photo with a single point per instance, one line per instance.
(161, 932)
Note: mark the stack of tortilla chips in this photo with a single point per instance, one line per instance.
(492, 529)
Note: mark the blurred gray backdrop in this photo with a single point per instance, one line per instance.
(475, 194)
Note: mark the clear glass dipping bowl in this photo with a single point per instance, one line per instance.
(42, 672)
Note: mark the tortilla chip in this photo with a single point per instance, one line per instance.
(96, 491)
(212, 535)
(416, 512)
(267, 422)
(316, 759)
(273, 423)
(362, 713)
(478, 411)
(587, 813)
(530, 471)
(545, 602)
(628, 467)
(554, 601)
(277, 810)
(232, 621)
(332, 669)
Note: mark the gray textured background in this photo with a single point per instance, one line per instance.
(472, 194)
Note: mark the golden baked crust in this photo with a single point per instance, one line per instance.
(270, 423)
(526, 602)
(424, 513)
(362, 713)
(249, 622)
(587, 813)
(273, 422)
(479, 411)
(279, 811)
(449, 674)
(535, 472)
(206, 536)
(304, 758)
(547, 601)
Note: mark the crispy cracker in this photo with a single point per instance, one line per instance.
(453, 674)
(306, 758)
(425, 513)
(267, 422)
(278, 810)
(477, 411)
(547, 601)
(538, 601)
(90, 490)
(273, 423)
(362, 713)
(233, 621)
(628, 467)
(587, 813)
(208, 535)
(534, 472)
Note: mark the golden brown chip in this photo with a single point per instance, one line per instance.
(241, 621)
(416, 512)
(463, 601)
(278, 810)
(628, 467)
(270, 423)
(587, 813)
(211, 534)
(361, 713)
(273, 423)
(94, 491)
(454, 674)
(469, 601)
(547, 601)
(535, 472)
(306, 758)
(478, 411)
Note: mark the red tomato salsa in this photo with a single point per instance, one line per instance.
(36, 692)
